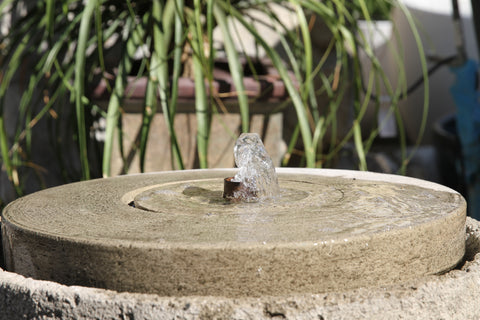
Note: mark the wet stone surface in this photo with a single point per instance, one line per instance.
(320, 208)
(327, 230)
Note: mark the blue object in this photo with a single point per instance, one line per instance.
(466, 98)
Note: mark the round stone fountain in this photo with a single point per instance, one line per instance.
(161, 245)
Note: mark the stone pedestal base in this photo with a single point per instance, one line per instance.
(454, 295)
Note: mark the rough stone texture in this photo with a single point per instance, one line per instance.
(454, 295)
(335, 230)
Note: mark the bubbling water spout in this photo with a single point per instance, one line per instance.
(256, 175)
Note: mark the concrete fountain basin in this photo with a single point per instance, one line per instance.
(168, 243)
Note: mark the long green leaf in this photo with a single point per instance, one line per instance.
(179, 39)
(80, 60)
(149, 111)
(50, 16)
(307, 47)
(113, 112)
(291, 145)
(133, 39)
(426, 95)
(300, 108)
(12, 64)
(201, 106)
(159, 73)
(6, 158)
(59, 45)
(234, 65)
(357, 137)
(317, 135)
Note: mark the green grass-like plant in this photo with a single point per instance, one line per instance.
(65, 44)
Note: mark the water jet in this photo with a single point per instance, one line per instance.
(335, 242)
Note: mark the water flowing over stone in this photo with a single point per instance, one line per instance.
(173, 235)
(256, 169)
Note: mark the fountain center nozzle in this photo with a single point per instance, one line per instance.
(256, 177)
(236, 190)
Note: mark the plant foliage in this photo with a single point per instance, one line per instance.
(70, 46)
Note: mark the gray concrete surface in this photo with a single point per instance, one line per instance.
(331, 230)
(454, 295)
